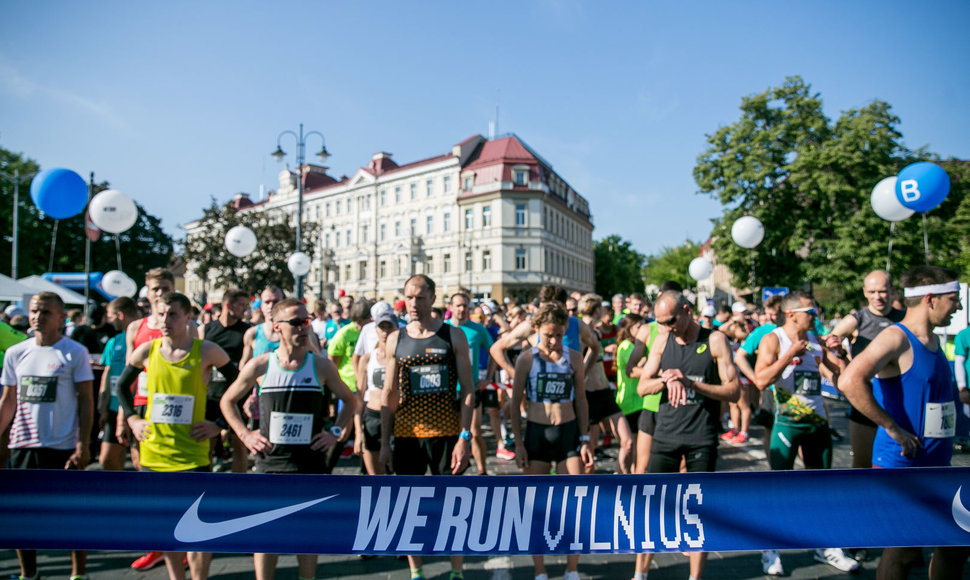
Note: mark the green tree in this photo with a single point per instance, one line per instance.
(617, 266)
(671, 264)
(141, 248)
(809, 181)
(207, 257)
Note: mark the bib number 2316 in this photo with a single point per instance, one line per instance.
(172, 409)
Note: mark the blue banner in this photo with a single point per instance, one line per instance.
(484, 515)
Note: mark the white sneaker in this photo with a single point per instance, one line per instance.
(771, 563)
(836, 558)
(571, 575)
(542, 577)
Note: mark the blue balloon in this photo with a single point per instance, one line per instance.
(59, 193)
(922, 186)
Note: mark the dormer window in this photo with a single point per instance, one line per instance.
(520, 176)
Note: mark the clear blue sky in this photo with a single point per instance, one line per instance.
(174, 102)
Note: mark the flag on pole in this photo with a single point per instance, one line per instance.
(90, 229)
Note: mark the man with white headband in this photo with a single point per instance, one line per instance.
(912, 399)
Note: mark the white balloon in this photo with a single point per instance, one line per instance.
(748, 231)
(117, 282)
(700, 268)
(113, 211)
(143, 293)
(240, 241)
(298, 263)
(886, 204)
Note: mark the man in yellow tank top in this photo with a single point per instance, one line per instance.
(174, 435)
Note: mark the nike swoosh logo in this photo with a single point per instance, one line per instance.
(192, 529)
(960, 514)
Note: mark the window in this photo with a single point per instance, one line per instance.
(336, 238)
(429, 224)
(469, 181)
(428, 188)
(520, 214)
(338, 207)
(520, 259)
(317, 212)
(397, 229)
(348, 205)
(362, 270)
(446, 263)
(347, 273)
(468, 261)
(521, 176)
(363, 234)
(429, 265)
(414, 191)
(326, 240)
(446, 222)
(382, 272)
(469, 219)
(383, 197)
(326, 209)
(366, 202)
(486, 260)
(487, 217)
(397, 194)
(347, 233)
(414, 226)
(383, 232)
(447, 184)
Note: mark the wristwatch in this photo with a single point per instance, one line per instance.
(466, 435)
(584, 438)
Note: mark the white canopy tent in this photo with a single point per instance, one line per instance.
(38, 284)
(14, 291)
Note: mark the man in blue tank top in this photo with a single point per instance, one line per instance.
(912, 399)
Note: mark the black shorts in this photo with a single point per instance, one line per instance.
(416, 455)
(488, 399)
(551, 443)
(633, 421)
(602, 404)
(699, 459)
(110, 434)
(39, 458)
(647, 422)
(372, 430)
(856, 416)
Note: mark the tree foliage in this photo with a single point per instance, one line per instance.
(671, 264)
(809, 181)
(207, 257)
(618, 266)
(142, 247)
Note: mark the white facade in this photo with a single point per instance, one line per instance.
(474, 218)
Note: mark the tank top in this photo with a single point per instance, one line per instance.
(176, 401)
(293, 407)
(922, 401)
(551, 382)
(143, 335)
(798, 392)
(696, 423)
(571, 338)
(262, 344)
(375, 377)
(652, 402)
(608, 338)
(427, 378)
(627, 397)
(230, 338)
(870, 325)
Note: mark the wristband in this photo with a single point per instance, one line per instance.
(466, 435)
(584, 438)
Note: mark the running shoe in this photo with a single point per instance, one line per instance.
(571, 575)
(740, 438)
(771, 563)
(607, 440)
(504, 453)
(542, 577)
(456, 575)
(148, 561)
(836, 558)
(858, 554)
(728, 435)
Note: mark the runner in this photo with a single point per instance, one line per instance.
(791, 362)
(48, 403)
(341, 351)
(228, 331)
(693, 370)
(901, 381)
(431, 429)
(293, 398)
(121, 312)
(371, 372)
(744, 358)
(174, 433)
(550, 377)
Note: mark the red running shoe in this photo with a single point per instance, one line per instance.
(729, 435)
(503, 453)
(148, 561)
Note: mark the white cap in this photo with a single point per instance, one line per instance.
(739, 307)
(708, 311)
(14, 310)
(383, 312)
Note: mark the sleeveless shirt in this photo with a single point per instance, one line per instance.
(262, 344)
(176, 401)
(798, 392)
(375, 377)
(696, 422)
(427, 378)
(551, 382)
(922, 401)
(143, 335)
(870, 325)
(293, 407)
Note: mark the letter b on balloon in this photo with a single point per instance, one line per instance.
(922, 186)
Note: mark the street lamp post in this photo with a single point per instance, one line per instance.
(279, 154)
(17, 179)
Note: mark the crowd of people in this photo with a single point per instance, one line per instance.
(267, 386)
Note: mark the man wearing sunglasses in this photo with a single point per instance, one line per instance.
(902, 381)
(791, 363)
(692, 369)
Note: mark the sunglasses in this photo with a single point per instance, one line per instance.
(670, 321)
(808, 311)
(296, 322)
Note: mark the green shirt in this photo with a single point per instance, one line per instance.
(9, 336)
(342, 345)
(626, 386)
(478, 339)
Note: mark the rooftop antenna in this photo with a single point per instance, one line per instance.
(498, 101)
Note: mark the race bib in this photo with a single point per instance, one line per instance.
(172, 409)
(290, 428)
(940, 420)
(482, 373)
(554, 387)
(142, 389)
(113, 386)
(378, 378)
(808, 384)
(429, 379)
(692, 397)
(38, 389)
